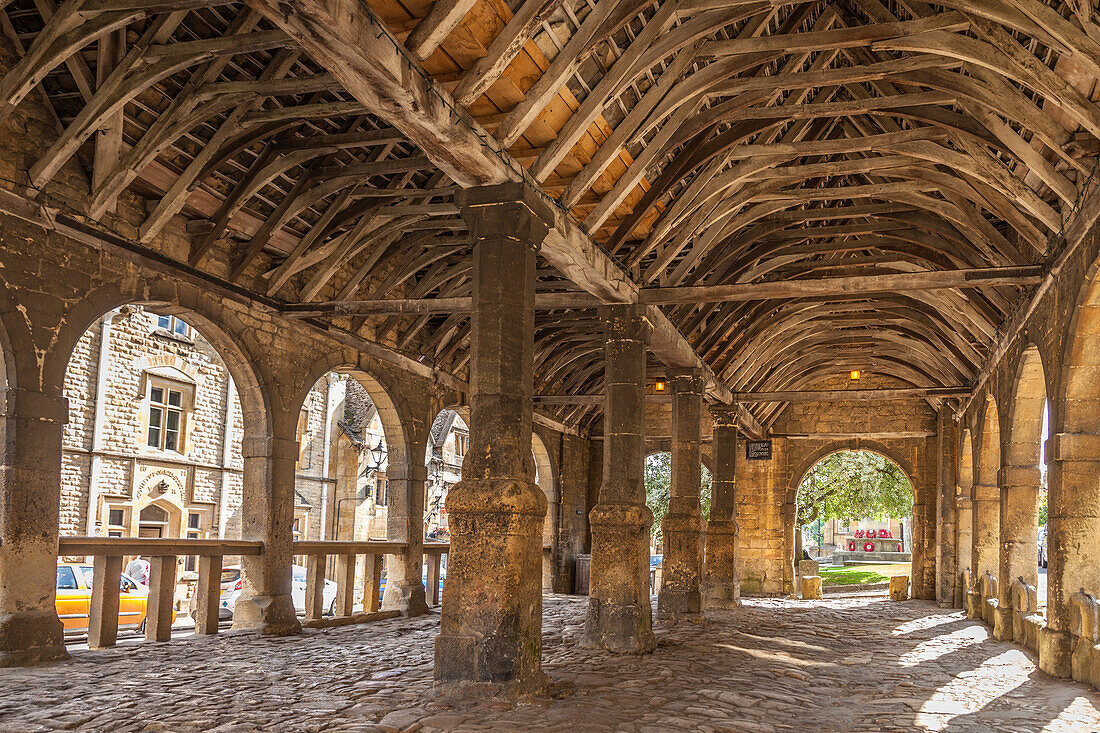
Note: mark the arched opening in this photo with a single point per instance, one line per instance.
(964, 522)
(658, 489)
(985, 506)
(853, 510)
(1020, 486)
(448, 441)
(160, 401)
(544, 478)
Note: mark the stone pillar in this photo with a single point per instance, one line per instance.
(1019, 535)
(491, 625)
(30, 502)
(1073, 525)
(946, 574)
(267, 515)
(985, 504)
(620, 617)
(683, 526)
(964, 546)
(721, 588)
(405, 523)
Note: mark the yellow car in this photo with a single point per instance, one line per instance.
(74, 596)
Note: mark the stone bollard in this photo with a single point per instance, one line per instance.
(807, 568)
(899, 588)
(811, 587)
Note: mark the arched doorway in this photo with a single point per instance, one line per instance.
(856, 506)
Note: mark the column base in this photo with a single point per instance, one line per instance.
(1002, 623)
(682, 566)
(31, 638)
(620, 617)
(269, 615)
(974, 606)
(406, 596)
(1055, 652)
(721, 587)
(491, 626)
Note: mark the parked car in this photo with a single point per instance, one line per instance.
(232, 585)
(1042, 547)
(423, 579)
(74, 599)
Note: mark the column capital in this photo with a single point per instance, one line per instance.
(511, 210)
(723, 416)
(687, 379)
(625, 321)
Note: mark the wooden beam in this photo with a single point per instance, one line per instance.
(895, 435)
(855, 285)
(430, 32)
(794, 395)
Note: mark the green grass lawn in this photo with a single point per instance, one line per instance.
(862, 574)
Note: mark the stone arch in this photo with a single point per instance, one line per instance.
(985, 506)
(842, 446)
(546, 479)
(1019, 485)
(964, 522)
(405, 472)
(1073, 523)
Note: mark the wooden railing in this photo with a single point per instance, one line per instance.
(107, 554)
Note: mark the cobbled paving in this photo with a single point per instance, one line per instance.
(849, 664)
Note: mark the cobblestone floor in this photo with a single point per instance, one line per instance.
(850, 664)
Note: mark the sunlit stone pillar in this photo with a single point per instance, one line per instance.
(491, 626)
(620, 617)
(985, 504)
(30, 500)
(721, 588)
(1019, 534)
(267, 516)
(682, 527)
(405, 524)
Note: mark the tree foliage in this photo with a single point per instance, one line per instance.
(658, 489)
(854, 485)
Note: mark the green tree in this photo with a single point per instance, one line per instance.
(658, 489)
(854, 485)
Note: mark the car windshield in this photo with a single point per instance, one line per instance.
(230, 575)
(66, 578)
(299, 574)
(87, 571)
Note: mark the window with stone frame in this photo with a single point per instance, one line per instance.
(169, 404)
(116, 521)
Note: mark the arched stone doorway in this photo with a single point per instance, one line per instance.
(866, 480)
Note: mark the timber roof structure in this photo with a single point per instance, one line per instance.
(795, 188)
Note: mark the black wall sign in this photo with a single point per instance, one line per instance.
(758, 450)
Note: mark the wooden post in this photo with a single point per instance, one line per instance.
(103, 614)
(433, 578)
(162, 591)
(315, 586)
(208, 594)
(372, 582)
(345, 584)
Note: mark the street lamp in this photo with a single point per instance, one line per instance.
(376, 456)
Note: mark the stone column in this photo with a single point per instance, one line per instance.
(1019, 535)
(620, 617)
(985, 504)
(964, 546)
(721, 587)
(491, 625)
(30, 502)
(267, 515)
(405, 523)
(1073, 525)
(946, 575)
(683, 527)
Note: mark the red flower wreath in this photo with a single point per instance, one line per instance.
(851, 545)
(868, 546)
